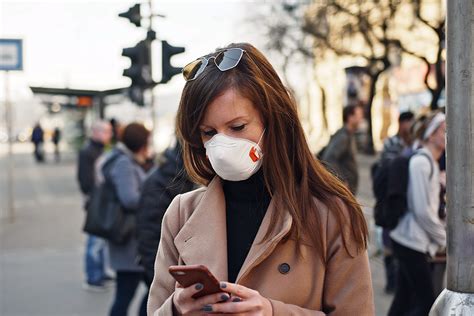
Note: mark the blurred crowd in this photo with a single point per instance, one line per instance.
(408, 182)
(409, 185)
(116, 164)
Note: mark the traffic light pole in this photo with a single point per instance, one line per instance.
(140, 70)
(152, 99)
(458, 298)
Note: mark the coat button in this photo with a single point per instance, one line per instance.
(284, 268)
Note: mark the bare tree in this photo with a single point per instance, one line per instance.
(437, 27)
(360, 29)
(376, 31)
(284, 36)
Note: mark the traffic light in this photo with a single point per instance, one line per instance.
(139, 71)
(133, 14)
(167, 51)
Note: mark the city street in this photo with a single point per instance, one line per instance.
(41, 260)
(363, 79)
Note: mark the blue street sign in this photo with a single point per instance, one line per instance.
(11, 54)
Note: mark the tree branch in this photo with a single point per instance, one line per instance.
(337, 50)
(362, 24)
(417, 4)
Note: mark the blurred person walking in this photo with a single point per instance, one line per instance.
(399, 144)
(420, 233)
(95, 254)
(340, 153)
(56, 138)
(159, 189)
(126, 174)
(37, 138)
(115, 130)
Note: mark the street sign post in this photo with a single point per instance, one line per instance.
(11, 54)
(11, 59)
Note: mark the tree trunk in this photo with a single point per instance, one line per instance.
(440, 80)
(324, 114)
(369, 149)
(324, 109)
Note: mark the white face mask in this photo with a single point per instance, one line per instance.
(234, 159)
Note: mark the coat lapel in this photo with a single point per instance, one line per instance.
(203, 238)
(262, 249)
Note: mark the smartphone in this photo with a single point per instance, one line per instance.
(192, 274)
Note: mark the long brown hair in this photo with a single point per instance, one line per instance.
(289, 167)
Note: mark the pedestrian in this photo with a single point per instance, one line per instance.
(127, 176)
(115, 130)
(282, 234)
(420, 233)
(340, 153)
(159, 189)
(402, 141)
(56, 138)
(37, 137)
(96, 253)
(393, 147)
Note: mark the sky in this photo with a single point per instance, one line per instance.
(78, 44)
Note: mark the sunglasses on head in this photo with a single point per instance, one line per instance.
(225, 59)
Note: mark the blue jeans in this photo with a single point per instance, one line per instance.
(94, 259)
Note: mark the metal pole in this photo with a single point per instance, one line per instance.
(9, 124)
(101, 106)
(152, 105)
(458, 298)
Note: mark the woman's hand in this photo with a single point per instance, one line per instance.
(243, 301)
(186, 305)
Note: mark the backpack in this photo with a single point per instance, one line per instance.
(390, 185)
(106, 217)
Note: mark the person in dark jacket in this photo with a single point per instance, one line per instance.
(56, 138)
(341, 151)
(37, 138)
(160, 188)
(95, 246)
(127, 174)
(393, 147)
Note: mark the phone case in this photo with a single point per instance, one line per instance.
(192, 274)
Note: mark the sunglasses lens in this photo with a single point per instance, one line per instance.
(229, 58)
(193, 69)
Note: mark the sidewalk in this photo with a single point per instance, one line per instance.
(41, 258)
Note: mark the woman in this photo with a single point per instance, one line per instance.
(127, 176)
(283, 235)
(420, 233)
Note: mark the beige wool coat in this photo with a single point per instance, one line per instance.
(194, 232)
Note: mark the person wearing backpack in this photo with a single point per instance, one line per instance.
(420, 233)
(399, 144)
(126, 173)
(95, 254)
(395, 145)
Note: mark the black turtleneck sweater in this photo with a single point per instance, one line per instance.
(246, 204)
